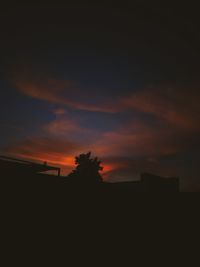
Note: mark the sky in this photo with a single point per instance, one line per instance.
(119, 81)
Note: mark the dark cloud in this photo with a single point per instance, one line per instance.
(178, 106)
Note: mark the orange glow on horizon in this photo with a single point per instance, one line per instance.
(107, 168)
(66, 164)
(63, 161)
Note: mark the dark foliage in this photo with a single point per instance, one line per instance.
(87, 169)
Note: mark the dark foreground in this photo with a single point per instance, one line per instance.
(48, 183)
(41, 211)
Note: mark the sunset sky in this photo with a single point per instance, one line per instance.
(120, 81)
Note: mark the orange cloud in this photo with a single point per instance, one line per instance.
(58, 92)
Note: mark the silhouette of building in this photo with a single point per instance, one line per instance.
(16, 167)
(152, 182)
(24, 172)
(149, 183)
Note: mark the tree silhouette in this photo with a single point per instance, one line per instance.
(87, 169)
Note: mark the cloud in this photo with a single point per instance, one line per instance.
(63, 127)
(145, 141)
(61, 92)
(176, 106)
(59, 111)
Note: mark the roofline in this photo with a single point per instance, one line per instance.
(28, 162)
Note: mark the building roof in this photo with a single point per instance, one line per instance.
(24, 165)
